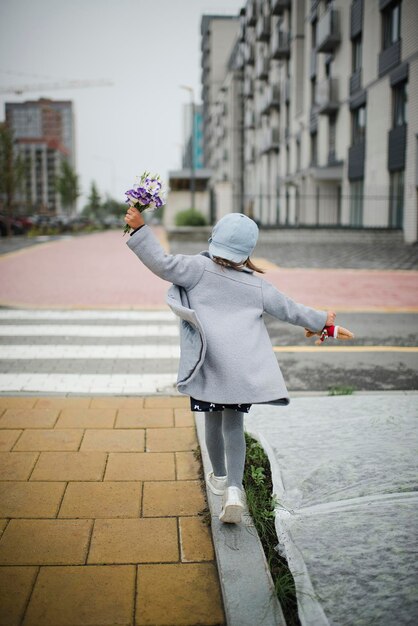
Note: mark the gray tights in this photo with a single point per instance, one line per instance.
(224, 435)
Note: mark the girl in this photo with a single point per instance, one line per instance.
(227, 362)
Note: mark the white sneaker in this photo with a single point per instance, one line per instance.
(232, 505)
(216, 484)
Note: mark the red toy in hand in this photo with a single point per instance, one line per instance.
(336, 332)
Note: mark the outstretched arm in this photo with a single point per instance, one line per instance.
(284, 308)
(180, 269)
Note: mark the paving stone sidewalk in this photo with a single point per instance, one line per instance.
(101, 502)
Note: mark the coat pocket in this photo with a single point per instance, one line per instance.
(190, 350)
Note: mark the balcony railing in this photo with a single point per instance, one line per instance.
(397, 148)
(262, 30)
(328, 31)
(312, 64)
(249, 54)
(250, 13)
(286, 89)
(280, 44)
(390, 58)
(356, 157)
(248, 87)
(270, 140)
(262, 68)
(241, 32)
(249, 153)
(249, 119)
(313, 119)
(313, 14)
(271, 99)
(278, 6)
(356, 18)
(355, 81)
(327, 96)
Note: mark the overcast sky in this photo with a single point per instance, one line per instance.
(146, 48)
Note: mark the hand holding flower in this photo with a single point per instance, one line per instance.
(147, 193)
(134, 218)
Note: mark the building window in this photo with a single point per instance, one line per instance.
(391, 24)
(356, 202)
(358, 124)
(314, 149)
(298, 155)
(328, 68)
(313, 35)
(356, 54)
(332, 131)
(396, 199)
(400, 105)
(313, 92)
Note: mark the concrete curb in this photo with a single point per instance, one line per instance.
(247, 587)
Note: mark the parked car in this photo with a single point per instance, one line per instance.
(19, 225)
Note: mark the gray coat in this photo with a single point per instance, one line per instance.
(226, 354)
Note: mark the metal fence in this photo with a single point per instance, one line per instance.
(321, 209)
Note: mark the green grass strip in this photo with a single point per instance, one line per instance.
(258, 487)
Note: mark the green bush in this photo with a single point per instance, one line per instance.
(190, 217)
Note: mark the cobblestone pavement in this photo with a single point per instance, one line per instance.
(102, 508)
(324, 249)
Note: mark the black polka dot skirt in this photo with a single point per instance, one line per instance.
(208, 407)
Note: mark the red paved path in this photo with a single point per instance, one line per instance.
(99, 270)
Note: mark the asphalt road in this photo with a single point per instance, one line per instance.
(373, 362)
(383, 355)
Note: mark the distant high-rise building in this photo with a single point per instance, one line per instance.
(197, 136)
(43, 131)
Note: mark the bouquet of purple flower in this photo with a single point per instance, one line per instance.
(146, 193)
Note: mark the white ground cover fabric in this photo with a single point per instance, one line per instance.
(345, 472)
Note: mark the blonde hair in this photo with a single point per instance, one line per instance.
(238, 266)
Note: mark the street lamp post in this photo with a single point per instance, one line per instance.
(192, 139)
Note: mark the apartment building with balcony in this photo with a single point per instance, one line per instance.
(219, 33)
(43, 131)
(330, 113)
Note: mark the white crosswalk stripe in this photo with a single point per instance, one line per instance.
(80, 352)
(85, 383)
(90, 352)
(55, 330)
(76, 315)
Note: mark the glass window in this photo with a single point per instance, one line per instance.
(396, 199)
(331, 137)
(356, 54)
(358, 124)
(356, 202)
(313, 35)
(313, 91)
(400, 104)
(391, 22)
(314, 149)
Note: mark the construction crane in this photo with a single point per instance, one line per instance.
(70, 84)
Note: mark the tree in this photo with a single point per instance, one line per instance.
(12, 172)
(67, 185)
(93, 207)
